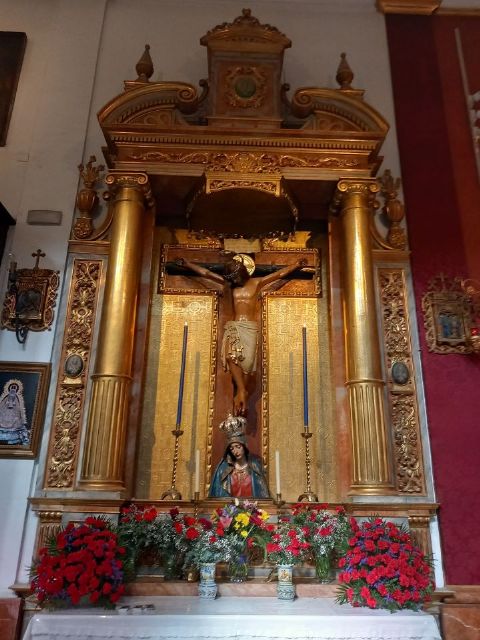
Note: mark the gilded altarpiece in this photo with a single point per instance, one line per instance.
(279, 409)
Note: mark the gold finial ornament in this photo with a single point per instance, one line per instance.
(393, 209)
(87, 198)
(89, 173)
(144, 66)
(344, 75)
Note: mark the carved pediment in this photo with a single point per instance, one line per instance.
(149, 103)
(336, 110)
(242, 114)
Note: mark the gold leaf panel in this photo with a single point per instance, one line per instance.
(169, 313)
(285, 319)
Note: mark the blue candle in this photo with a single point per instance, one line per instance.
(305, 379)
(182, 376)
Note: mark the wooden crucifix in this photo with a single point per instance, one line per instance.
(240, 281)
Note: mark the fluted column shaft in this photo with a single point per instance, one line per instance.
(371, 466)
(104, 448)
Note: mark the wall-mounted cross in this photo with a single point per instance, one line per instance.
(38, 254)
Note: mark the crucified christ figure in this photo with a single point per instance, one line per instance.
(240, 336)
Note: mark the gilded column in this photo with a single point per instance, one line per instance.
(104, 448)
(371, 466)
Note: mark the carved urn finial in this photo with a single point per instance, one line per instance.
(393, 209)
(144, 66)
(344, 75)
(87, 198)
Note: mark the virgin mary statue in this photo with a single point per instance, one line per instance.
(13, 420)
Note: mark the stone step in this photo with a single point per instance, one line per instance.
(156, 586)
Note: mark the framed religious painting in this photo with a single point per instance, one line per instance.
(23, 397)
(12, 49)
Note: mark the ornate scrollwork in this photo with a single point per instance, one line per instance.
(402, 396)
(220, 185)
(314, 161)
(70, 397)
(244, 162)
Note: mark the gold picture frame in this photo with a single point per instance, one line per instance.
(23, 399)
(447, 316)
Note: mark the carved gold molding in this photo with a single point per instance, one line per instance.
(49, 524)
(418, 7)
(250, 162)
(419, 526)
(402, 398)
(212, 385)
(131, 180)
(72, 375)
(363, 189)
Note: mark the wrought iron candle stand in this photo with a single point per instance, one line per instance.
(173, 493)
(307, 495)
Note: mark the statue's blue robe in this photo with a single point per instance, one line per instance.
(221, 481)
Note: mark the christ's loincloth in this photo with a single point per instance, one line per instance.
(239, 344)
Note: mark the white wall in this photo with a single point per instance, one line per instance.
(38, 170)
(78, 55)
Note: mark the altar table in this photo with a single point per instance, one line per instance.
(241, 618)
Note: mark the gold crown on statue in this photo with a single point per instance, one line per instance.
(234, 428)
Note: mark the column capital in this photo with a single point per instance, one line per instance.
(131, 180)
(347, 187)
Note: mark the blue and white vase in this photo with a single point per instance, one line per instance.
(207, 587)
(285, 586)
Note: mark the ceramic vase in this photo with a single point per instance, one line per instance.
(285, 587)
(207, 587)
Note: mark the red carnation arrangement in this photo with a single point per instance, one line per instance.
(82, 564)
(288, 543)
(383, 568)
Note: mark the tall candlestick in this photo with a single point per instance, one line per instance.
(277, 472)
(197, 472)
(182, 376)
(305, 379)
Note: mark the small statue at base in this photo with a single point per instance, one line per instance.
(239, 474)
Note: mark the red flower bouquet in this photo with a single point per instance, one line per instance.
(288, 544)
(165, 537)
(81, 565)
(384, 569)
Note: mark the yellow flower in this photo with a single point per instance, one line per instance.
(264, 515)
(243, 518)
(244, 533)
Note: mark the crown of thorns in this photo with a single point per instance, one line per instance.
(236, 266)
